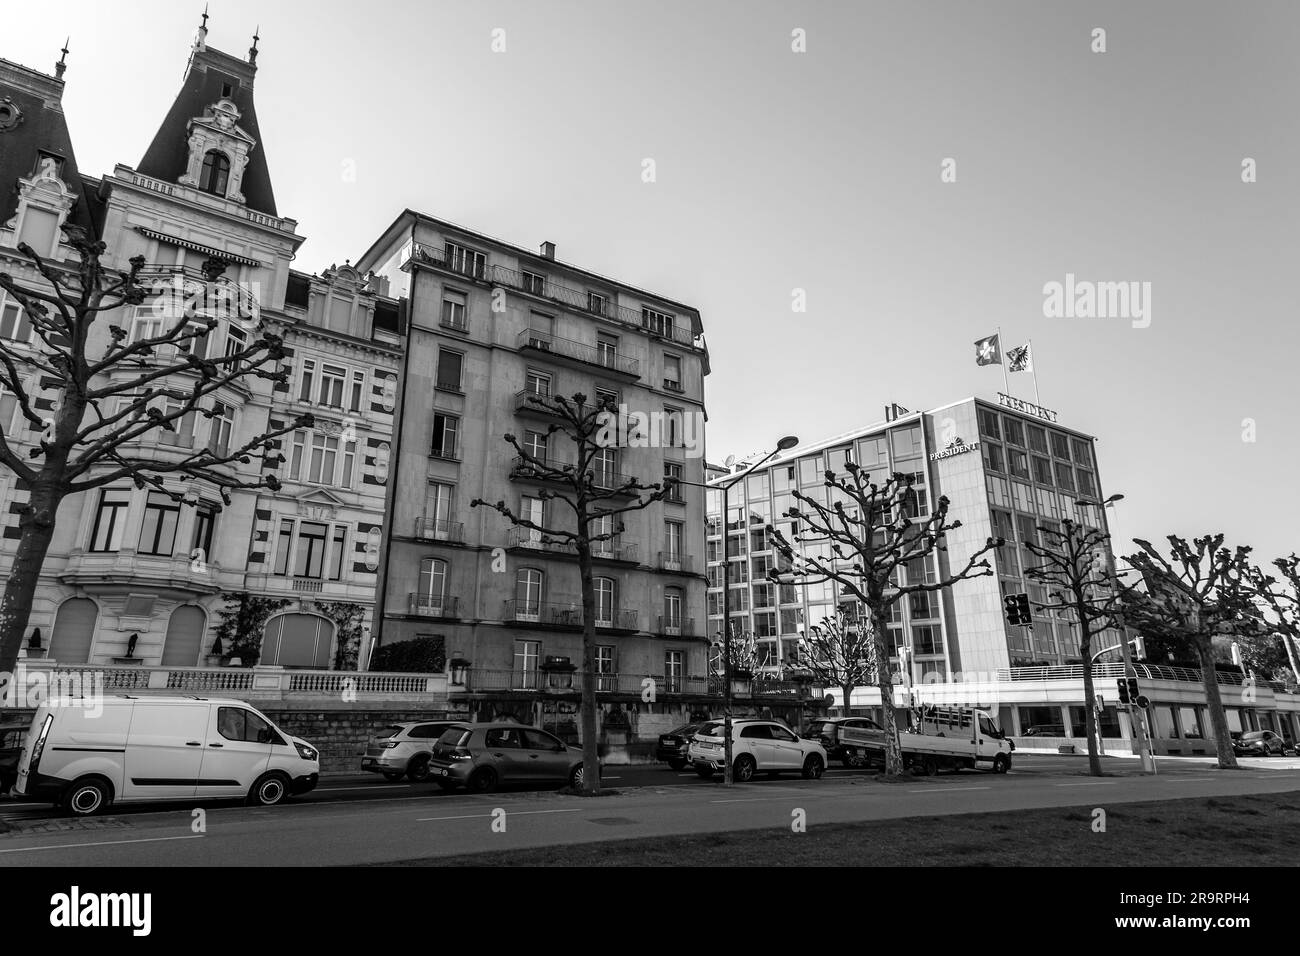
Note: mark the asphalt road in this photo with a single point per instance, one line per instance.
(364, 819)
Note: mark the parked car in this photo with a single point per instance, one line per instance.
(145, 749)
(1044, 730)
(481, 757)
(1258, 743)
(758, 746)
(403, 750)
(674, 746)
(827, 731)
(12, 734)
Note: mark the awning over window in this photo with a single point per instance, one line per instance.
(199, 247)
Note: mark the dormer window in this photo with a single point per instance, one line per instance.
(215, 173)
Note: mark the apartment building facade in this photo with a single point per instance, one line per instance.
(493, 325)
(133, 576)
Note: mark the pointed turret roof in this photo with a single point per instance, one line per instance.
(211, 76)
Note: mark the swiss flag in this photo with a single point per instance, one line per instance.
(988, 351)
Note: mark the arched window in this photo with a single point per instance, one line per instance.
(604, 601)
(74, 631)
(216, 173)
(184, 642)
(528, 594)
(298, 640)
(433, 585)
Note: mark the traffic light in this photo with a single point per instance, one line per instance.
(1128, 690)
(1017, 608)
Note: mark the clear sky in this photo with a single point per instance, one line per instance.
(819, 171)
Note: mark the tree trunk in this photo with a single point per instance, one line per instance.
(1214, 703)
(884, 680)
(1089, 691)
(37, 525)
(590, 744)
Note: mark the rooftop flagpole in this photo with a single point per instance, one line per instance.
(1002, 360)
(1033, 370)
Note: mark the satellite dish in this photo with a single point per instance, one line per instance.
(731, 460)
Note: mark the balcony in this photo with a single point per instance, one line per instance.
(427, 605)
(308, 585)
(527, 403)
(567, 615)
(201, 297)
(530, 540)
(606, 683)
(676, 562)
(673, 386)
(676, 626)
(437, 529)
(471, 267)
(568, 352)
(521, 469)
(614, 549)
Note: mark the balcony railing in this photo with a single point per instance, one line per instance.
(526, 401)
(432, 605)
(438, 529)
(466, 265)
(446, 454)
(676, 625)
(1116, 669)
(676, 561)
(308, 585)
(540, 680)
(521, 467)
(200, 297)
(566, 614)
(614, 549)
(536, 541)
(541, 341)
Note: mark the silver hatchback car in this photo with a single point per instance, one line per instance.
(403, 750)
(481, 757)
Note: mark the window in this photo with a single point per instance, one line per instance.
(1087, 483)
(358, 391)
(449, 370)
(537, 383)
(324, 458)
(1042, 471)
(672, 427)
(535, 444)
(283, 546)
(660, 323)
(445, 430)
(989, 424)
(338, 548)
(673, 473)
(528, 593)
(110, 519)
(14, 324)
(437, 503)
(1065, 476)
(534, 283)
(812, 471)
(1060, 446)
(606, 398)
(1037, 439)
(527, 654)
(215, 173)
(235, 723)
(604, 601)
(310, 558)
(674, 533)
(433, 584)
(673, 608)
(607, 349)
(604, 466)
(765, 624)
(926, 639)
(236, 340)
(306, 379)
(223, 427)
(597, 303)
(453, 310)
(1014, 430)
(158, 532)
(146, 323)
(906, 442)
(182, 432)
(673, 373)
(205, 521)
(332, 379)
(674, 671)
(1018, 462)
(465, 261)
(993, 457)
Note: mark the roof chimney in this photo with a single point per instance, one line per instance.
(548, 250)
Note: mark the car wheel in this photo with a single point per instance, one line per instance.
(392, 776)
(743, 769)
(704, 772)
(418, 768)
(269, 789)
(87, 797)
(813, 767)
(483, 780)
(1001, 763)
(930, 767)
(676, 764)
(575, 777)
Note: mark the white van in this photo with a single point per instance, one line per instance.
(142, 749)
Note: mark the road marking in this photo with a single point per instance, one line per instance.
(1090, 783)
(947, 789)
(511, 813)
(77, 846)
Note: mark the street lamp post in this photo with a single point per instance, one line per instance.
(783, 445)
(1141, 746)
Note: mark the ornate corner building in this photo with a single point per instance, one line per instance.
(133, 577)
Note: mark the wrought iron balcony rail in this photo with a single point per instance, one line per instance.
(438, 529)
(432, 605)
(542, 341)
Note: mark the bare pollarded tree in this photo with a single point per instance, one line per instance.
(593, 496)
(841, 652)
(96, 401)
(872, 540)
(1278, 600)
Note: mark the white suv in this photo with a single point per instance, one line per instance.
(403, 750)
(757, 746)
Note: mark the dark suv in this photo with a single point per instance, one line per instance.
(827, 731)
(674, 744)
